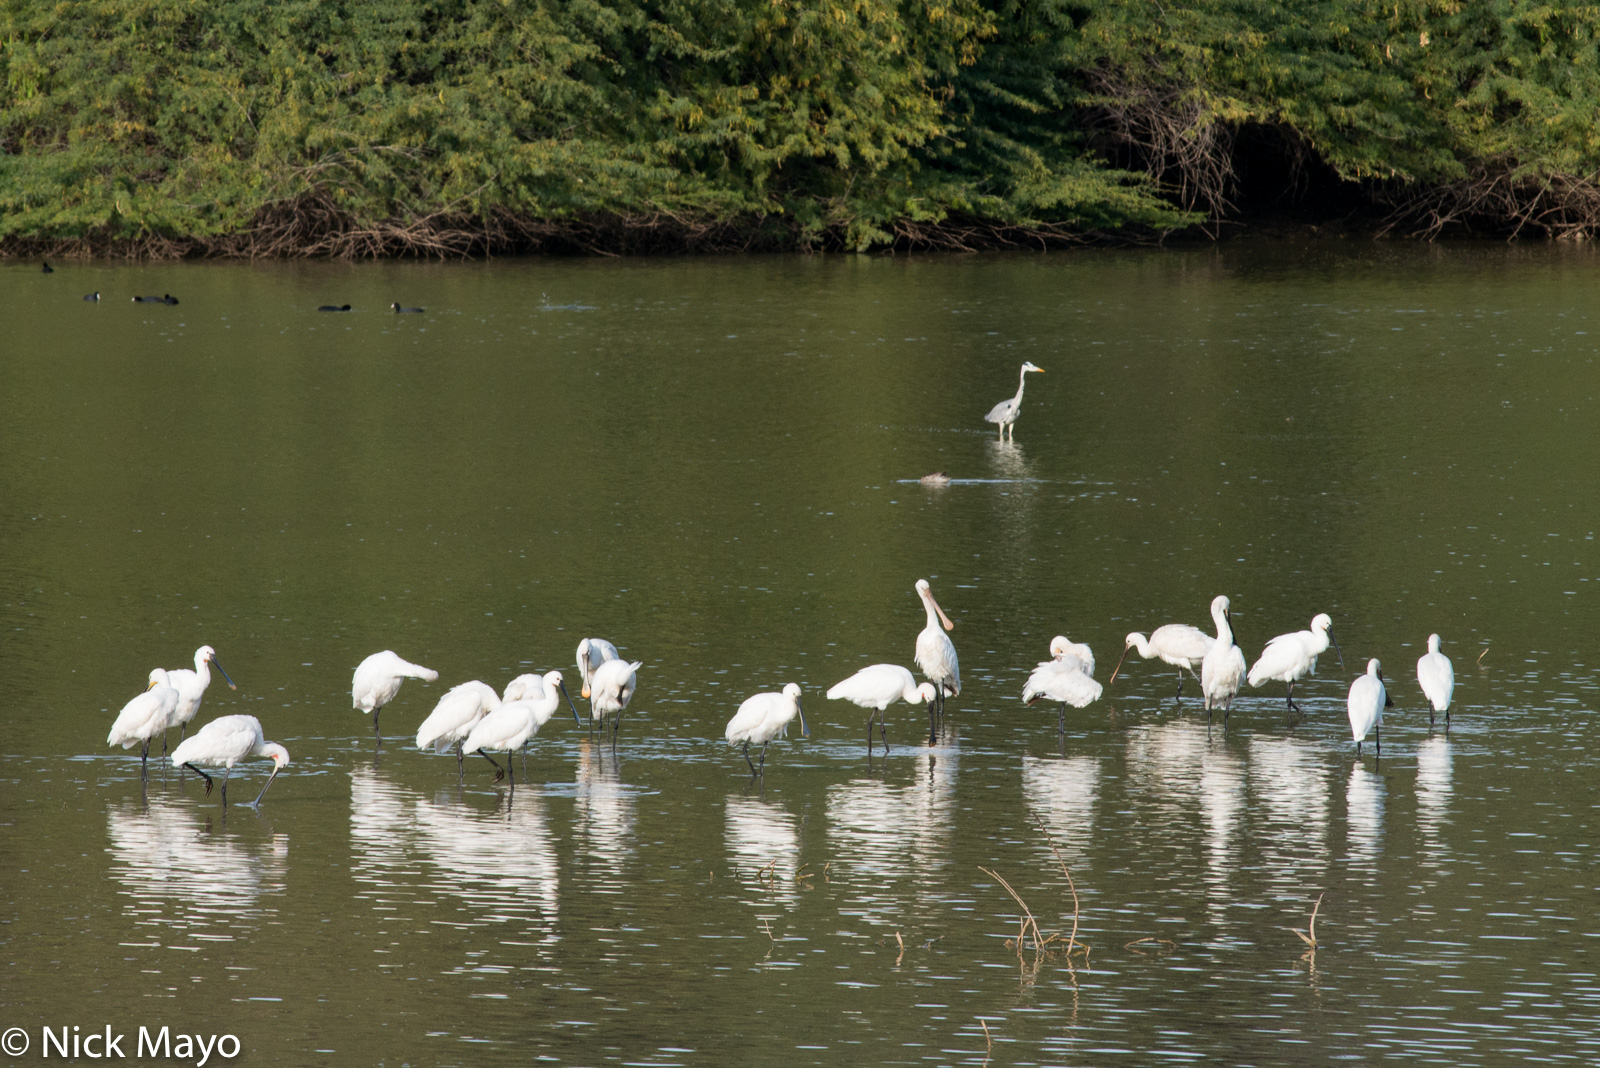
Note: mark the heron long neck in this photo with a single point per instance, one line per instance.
(1022, 383)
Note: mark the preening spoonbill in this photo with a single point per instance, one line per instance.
(936, 654)
(453, 718)
(191, 687)
(1005, 413)
(592, 652)
(224, 742)
(764, 717)
(1064, 679)
(1222, 669)
(144, 717)
(879, 686)
(1178, 644)
(1438, 680)
(1290, 657)
(1069, 652)
(610, 689)
(378, 680)
(516, 720)
(1368, 699)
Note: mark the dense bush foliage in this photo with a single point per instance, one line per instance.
(380, 126)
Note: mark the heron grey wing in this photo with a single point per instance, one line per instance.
(1002, 412)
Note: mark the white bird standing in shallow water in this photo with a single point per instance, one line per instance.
(191, 687)
(517, 719)
(1437, 677)
(936, 653)
(1368, 699)
(1222, 669)
(611, 687)
(592, 652)
(224, 742)
(1289, 657)
(764, 717)
(879, 686)
(1065, 679)
(144, 717)
(1005, 413)
(1178, 644)
(453, 718)
(378, 680)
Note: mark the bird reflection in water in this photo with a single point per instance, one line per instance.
(182, 877)
(880, 834)
(1434, 789)
(1292, 793)
(1063, 793)
(1363, 799)
(763, 836)
(604, 815)
(1184, 770)
(499, 865)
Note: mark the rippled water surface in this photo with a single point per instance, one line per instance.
(713, 463)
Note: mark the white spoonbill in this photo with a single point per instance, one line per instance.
(191, 687)
(1290, 657)
(453, 718)
(378, 680)
(1222, 669)
(1438, 680)
(516, 720)
(1064, 679)
(936, 653)
(1178, 644)
(1005, 413)
(610, 689)
(764, 717)
(1069, 652)
(592, 652)
(879, 686)
(224, 742)
(144, 717)
(1368, 699)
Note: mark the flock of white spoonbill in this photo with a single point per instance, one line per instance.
(472, 718)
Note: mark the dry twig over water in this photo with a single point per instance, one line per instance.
(1309, 937)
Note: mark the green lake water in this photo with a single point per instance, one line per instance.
(713, 463)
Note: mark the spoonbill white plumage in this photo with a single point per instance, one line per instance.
(879, 686)
(1178, 644)
(224, 742)
(936, 653)
(191, 687)
(1368, 699)
(1064, 679)
(611, 687)
(453, 718)
(1222, 669)
(144, 717)
(1290, 657)
(1068, 651)
(1437, 678)
(1005, 413)
(378, 680)
(764, 717)
(517, 719)
(592, 652)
